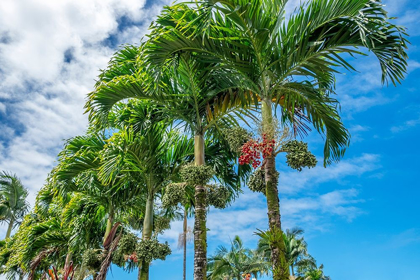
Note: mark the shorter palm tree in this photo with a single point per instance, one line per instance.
(231, 264)
(314, 273)
(296, 249)
(13, 205)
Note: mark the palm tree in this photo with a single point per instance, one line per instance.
(314, 274)
(77, 172)
(190, 95)
(296, 250)
(289, 64)
(13, 205)
(231, 264)
(185, 237)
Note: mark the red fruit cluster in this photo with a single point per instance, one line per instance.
(267, 146)
(251, 151)
(133, 257)
(250, 154)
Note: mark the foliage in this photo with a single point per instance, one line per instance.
(150, 249)
(256, 182)
(126, 246)
(13, 205)
(233, 262)
(236, 137)
(298, 155)
(174, 194)
(218, 196)
(92, 259)
(161, 223)
(196, 175)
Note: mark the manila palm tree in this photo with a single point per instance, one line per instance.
(13, 205)
(234, 262)
(199, 100)
(290, 64)
(296, 251)
(185, 237)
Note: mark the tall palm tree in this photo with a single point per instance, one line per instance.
(147, 158)
(185, 237)
(190, 95)
(13, 204)
(289, 64)
(77, 172)
(232, 263)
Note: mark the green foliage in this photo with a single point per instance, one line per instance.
(196, 175)
(174, 194)
(256, 182)
(236, 137)
(161, 224)
(92, 259)
(298, 155)
(13, 205)
(151, 249)
(126, 246)
(218, 196)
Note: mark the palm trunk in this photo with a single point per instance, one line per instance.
(184, 276)
(147, 234)
(280, 266)
(200, 229)
(10, 227)
(110, 221)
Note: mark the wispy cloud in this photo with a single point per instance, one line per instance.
(300, 204)
(405, 238)
(406, 125)
(294, 182)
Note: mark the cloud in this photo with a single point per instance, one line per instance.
(2, 108)
(292, 182)
(408, 237)
(50, 54)
(406, 125)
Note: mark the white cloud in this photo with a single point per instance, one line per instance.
(292, 182)
(406, 125)
(2, 108)
(405, 238)
(42, 95)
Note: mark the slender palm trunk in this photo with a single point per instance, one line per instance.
(185, 245)
(200, 229)
(280, 266)
(147, 234)
(110, 221)
(10, 227)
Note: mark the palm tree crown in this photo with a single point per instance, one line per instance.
(13, 205)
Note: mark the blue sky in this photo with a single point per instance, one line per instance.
(360, 216)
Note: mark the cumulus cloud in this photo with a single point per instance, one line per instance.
(50, 54)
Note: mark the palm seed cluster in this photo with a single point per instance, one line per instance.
(298, 155)
(196, 175)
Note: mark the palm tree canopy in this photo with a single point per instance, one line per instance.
(233, 262)
(292, 62)
(13, 194)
